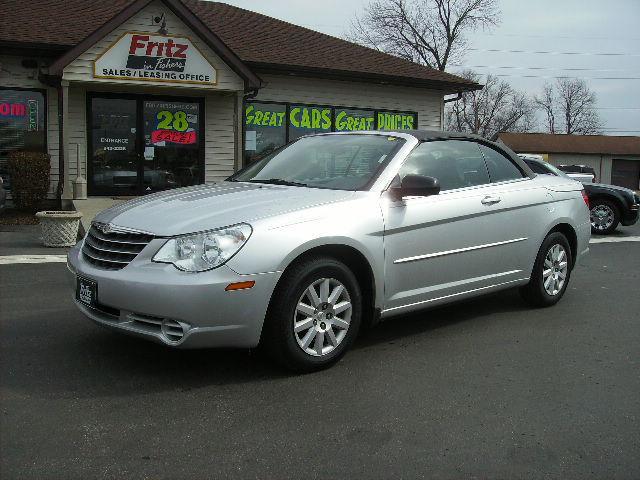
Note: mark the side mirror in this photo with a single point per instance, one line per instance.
(417, 186)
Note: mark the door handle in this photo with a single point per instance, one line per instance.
(490, 200)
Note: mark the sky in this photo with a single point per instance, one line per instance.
(534, 42)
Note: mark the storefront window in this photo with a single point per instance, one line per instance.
(265, 129)
(142, 146)
(396, 121)
(269, 126)
(354, 120)
(22, 123)
(171, 144)
(308, 119)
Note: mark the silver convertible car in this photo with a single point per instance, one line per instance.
(300, 250)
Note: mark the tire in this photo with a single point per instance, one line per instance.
(542, 289)
(605, 216)
(326, 328)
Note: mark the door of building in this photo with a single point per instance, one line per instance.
(626, 173)
(139, 145)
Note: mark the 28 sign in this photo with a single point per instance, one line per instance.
(172, 121)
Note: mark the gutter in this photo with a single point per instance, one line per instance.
(453, 99)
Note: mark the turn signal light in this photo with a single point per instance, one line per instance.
(585, 197)
(240, 285)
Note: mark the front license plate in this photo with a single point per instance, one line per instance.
(86, 292)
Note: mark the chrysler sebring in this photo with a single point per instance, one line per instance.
(301, 249)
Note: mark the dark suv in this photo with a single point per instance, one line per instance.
(609, 204)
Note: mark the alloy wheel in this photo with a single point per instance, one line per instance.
(602, 217)
(322, 316)
(555, 270)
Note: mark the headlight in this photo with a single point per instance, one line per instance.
(198, 252)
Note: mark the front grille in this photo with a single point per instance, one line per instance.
(113, 250)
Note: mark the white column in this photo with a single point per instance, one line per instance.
(67, 194)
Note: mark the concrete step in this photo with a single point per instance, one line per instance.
(91, 206)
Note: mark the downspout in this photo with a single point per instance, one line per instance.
(56, 82)
(61, 171)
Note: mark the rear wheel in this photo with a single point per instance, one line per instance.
(314, 316)
(551, 272)
(605, 217)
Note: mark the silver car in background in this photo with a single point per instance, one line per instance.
(299, 250)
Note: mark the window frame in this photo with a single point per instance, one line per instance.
(43, 92)
(525, 175)
(45, 129)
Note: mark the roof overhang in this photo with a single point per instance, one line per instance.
(446, 87)
(252, 81)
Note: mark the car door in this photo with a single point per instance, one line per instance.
(523, 210)
(440, 246)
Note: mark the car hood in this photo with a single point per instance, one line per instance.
(205, 207)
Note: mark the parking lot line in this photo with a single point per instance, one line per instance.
(13, 259)
(615, 239)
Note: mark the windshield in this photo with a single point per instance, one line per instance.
(338, 162)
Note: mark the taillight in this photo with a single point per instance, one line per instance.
(585, 197)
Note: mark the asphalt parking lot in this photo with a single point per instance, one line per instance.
(485, 389)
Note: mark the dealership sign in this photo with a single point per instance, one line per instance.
(155, 58)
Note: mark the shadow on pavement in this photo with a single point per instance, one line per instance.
(70, 357)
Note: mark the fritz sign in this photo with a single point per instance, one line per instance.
(154, 58)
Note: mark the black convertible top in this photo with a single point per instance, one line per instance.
(431, 135)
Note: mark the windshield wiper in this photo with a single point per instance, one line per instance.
(280, 181)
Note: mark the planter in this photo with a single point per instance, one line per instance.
(59, 228)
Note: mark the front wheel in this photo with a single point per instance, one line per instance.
(314, 315)
(551, 272)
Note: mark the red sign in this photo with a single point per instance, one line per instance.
(12, 109)
(169, 48)
(184, 138)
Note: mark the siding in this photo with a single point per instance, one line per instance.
(427, 103)
(13, 74)
(220, 136)
(81, 69)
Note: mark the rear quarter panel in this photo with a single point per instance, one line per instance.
(566, 207)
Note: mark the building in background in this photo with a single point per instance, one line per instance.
(616, 160)
(136, 96)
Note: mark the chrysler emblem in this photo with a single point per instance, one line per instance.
(104, 227)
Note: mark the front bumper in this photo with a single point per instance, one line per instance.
(630, 216)
(187, 310)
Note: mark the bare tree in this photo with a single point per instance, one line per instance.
(569, 107)
(430, 32)
(494, 109)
